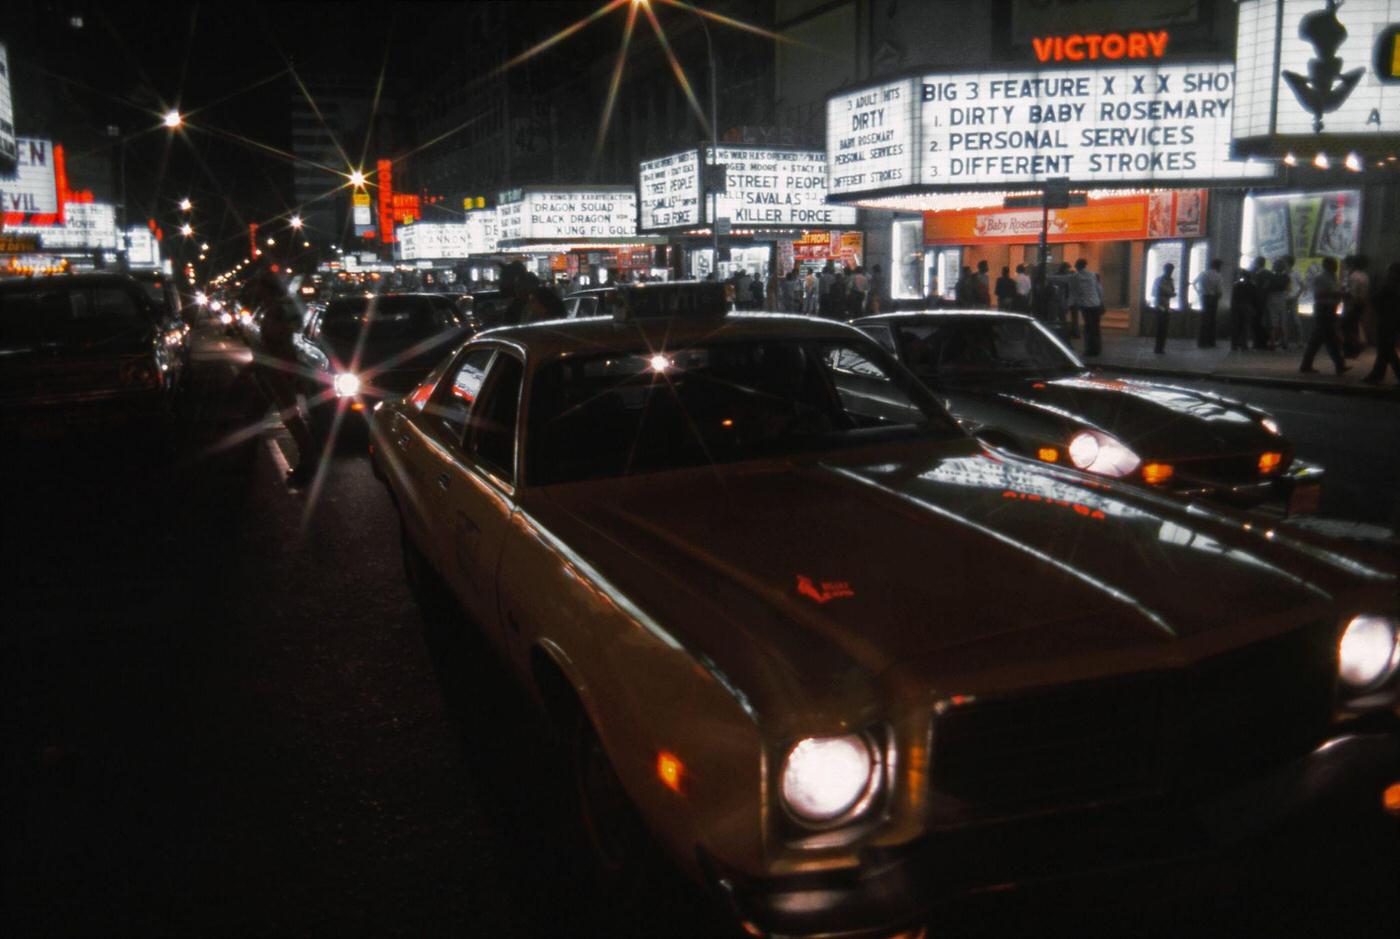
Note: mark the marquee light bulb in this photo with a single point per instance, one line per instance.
(1290, 160)
(1353, 162)
(1321, 161)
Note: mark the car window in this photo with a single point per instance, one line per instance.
(586, 306)
(108, 303)
(961, 347)
(459, 390)
(880, 334)
(491, 438)
(625, 412)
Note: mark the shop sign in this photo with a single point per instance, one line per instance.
(564, 215)
(669, 191)
(871, 138)
(1311, 72)
(9, 148)
(1150, 123)
(142, 249)
(483, 232)
(771, 188)
(1090, 47)
(16, 243)
(812, 246)
(360, 211)
(86, 225)
(385, 171)
(1167, 214)
(846, 246)
(434, 240)
(30, 194)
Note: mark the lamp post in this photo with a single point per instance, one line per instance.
(714, 146)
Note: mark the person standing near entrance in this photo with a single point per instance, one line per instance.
(1023, 289)
(1326, 296)
(1162, 293)
(982, 285)
(1006, 290)
(1088, 293)
(1210, 285)
(1385, 306)
(1243, 297)
(810, 293)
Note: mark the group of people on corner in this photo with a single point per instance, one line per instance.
(1347, 316)
(832, 292)
(1060, 298)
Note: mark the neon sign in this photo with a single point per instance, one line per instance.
(1082, 47)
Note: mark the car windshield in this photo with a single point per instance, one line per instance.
(961, 347)
(388, 318)
(624, 413)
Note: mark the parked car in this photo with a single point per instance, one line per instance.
(683, 297)
(840, 659)
(86, 353)
(1016, 386)
(359, 350)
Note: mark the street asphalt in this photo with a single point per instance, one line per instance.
(223, 716)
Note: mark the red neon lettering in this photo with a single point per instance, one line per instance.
(1043, 48)
(1137, 46)
(1073, 48)
(1114, 45)
(1158, 41)
(1093, 42)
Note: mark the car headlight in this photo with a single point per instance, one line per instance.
(1367, 654)
(1099, 453)
(346, 385)
(1271, 425)
(828, 778)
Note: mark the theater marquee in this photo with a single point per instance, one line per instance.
(1147, 124)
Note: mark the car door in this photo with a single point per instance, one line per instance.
(424, 445)
(478, 488)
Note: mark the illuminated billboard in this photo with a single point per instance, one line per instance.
(764, 188)
(1315, 76)
(1146, 123)
(596, 213)
(9, 151)
(30, 194)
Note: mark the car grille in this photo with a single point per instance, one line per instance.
(1107, 741)
(1230, 470)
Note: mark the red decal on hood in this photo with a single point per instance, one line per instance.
(829, 589)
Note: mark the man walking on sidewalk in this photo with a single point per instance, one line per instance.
(1162, 292)
(1385, 305)
(1087, 292)
(1326, 296)
(1210, 286)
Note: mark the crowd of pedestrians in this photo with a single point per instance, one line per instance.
(832, 291)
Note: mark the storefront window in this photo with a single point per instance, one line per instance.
(948, 268)
(1307, 225)
(907, 254)
(1200, 258)
(1159, 255)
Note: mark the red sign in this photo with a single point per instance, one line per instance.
(406, 208)
(252, 239)
(386, 202)
(1141, 216)
(1081, 47)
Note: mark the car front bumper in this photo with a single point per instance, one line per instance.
(1296, 491)
(895, 889)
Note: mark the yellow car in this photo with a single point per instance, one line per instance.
(837, 658)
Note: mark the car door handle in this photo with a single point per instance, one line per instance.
(444, 481)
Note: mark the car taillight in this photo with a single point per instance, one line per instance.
(1268, 462)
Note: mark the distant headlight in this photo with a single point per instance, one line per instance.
(226, 318)
(826, 778)
(1367, 654)
(1099, 453)
(1271, 425)
(346, 385)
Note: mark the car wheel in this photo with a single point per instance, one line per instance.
(616, 842)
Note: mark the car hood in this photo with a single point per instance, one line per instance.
(802, 579)
(1157, 421)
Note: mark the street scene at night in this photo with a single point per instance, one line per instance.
(854, 468)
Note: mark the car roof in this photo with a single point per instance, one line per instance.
(552, 338)
(902, 316)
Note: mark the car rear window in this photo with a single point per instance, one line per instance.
(57, 312)
(387, 317)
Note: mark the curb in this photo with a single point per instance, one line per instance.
(1380, 392)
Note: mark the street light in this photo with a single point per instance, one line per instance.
(186, 204)
(357, 179)
(187, 229)
(271, 242)
(172, 119)
(296, 222)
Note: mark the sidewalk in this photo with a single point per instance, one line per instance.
(1182, 359)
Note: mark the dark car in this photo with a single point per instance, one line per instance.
(85, 353)
(484, 309)
(683, 297)
(1014, 385)
(362, 349)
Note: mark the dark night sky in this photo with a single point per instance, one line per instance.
(130, 60)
